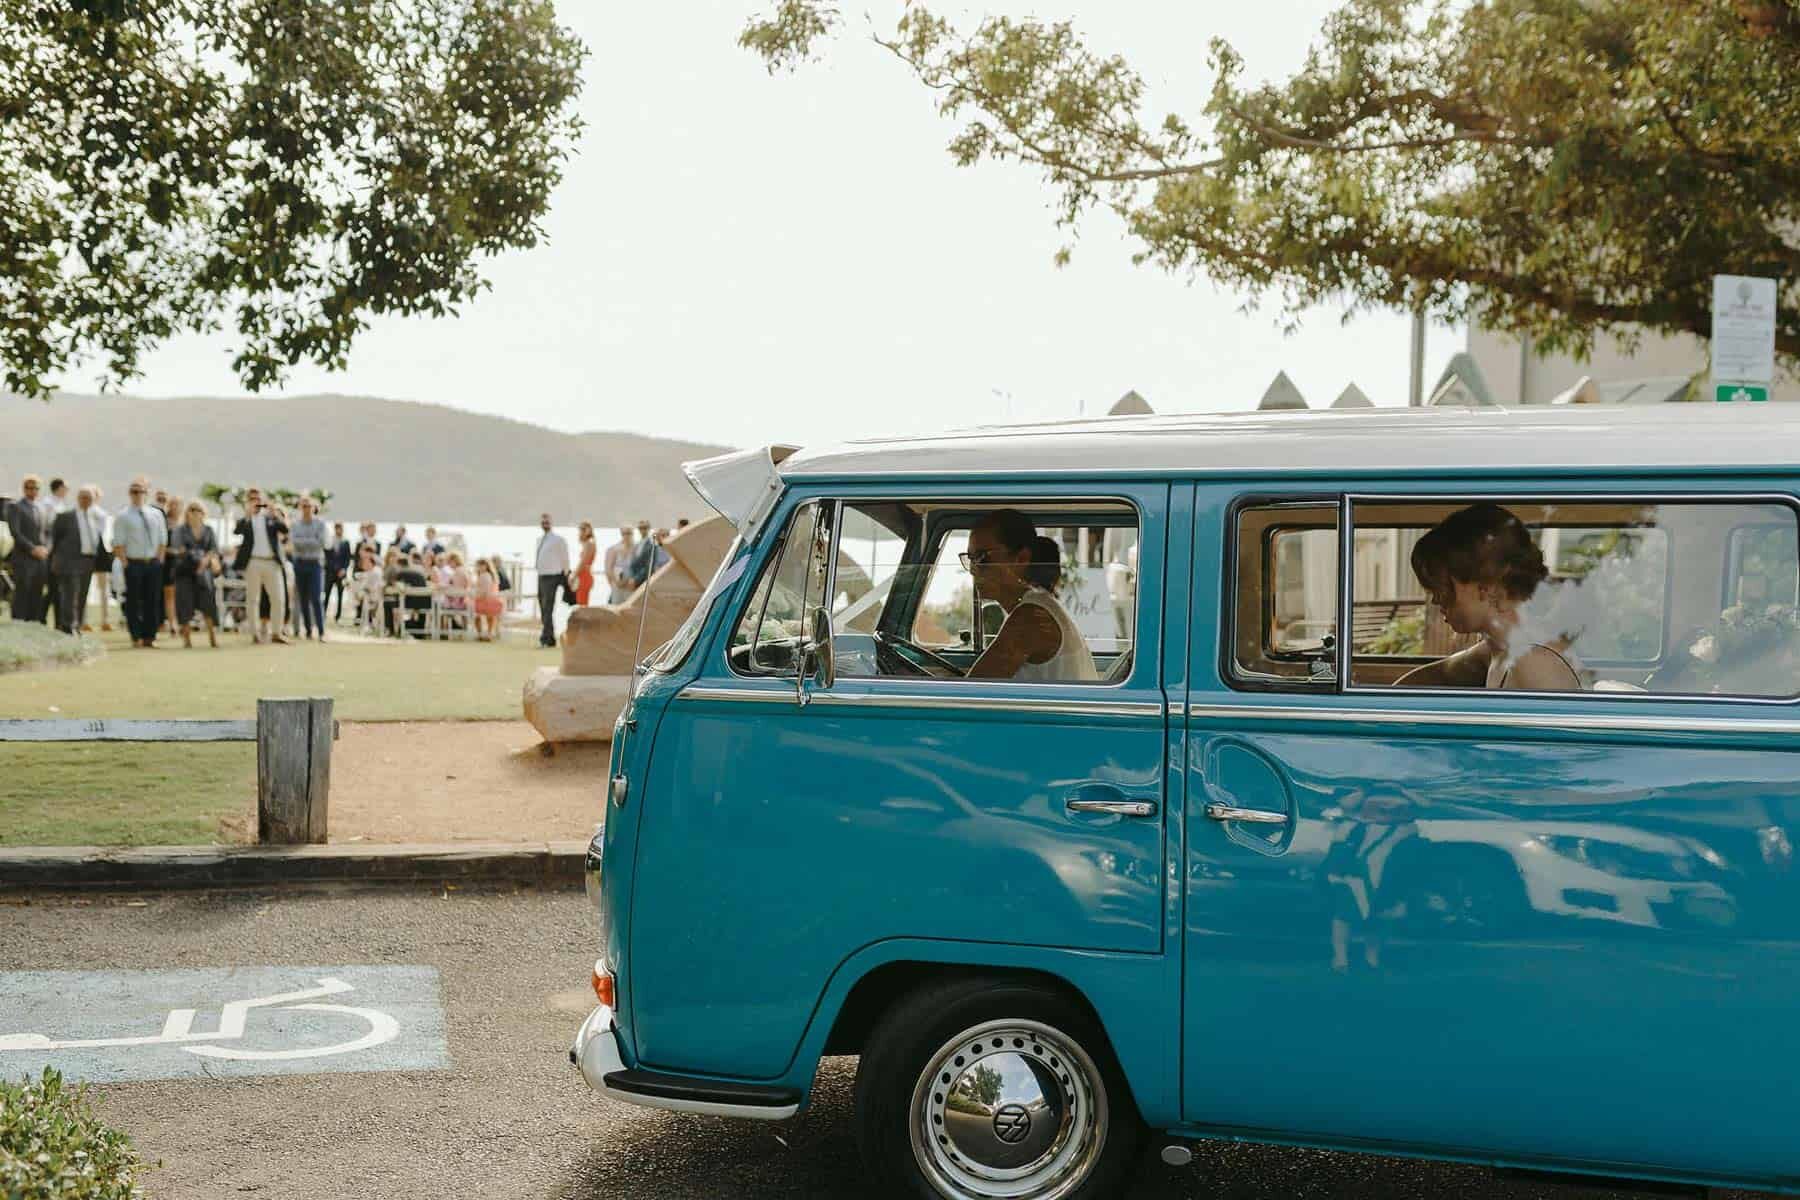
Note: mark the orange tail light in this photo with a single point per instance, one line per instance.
(603, 985)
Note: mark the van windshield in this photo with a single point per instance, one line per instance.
(671, 653)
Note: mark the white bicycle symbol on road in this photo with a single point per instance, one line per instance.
(178, 1029)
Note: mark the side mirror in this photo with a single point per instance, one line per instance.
(816, 657)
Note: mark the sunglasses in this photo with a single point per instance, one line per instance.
(971, 559)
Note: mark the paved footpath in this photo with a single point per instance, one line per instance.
(458, 1007)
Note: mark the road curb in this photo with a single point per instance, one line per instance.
(26, 868)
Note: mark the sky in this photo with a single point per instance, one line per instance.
(742, 259)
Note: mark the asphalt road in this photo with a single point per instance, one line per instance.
(511, 1118)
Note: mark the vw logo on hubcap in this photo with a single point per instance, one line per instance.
(1012, 1124)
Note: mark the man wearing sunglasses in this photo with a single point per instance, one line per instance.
(140, 541)
(30, 553)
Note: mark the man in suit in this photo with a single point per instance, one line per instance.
(75, 543)
(49, 508)
(30, 553)
(338, 559)
(259, 561)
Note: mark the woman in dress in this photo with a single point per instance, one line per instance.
(390, 577)
(173, 510)
(457, 586)
(1481, 567)
(1039, 641)
(370, 585)
(194, 562)
(488, 604)
(584, 569)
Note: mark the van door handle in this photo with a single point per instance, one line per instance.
(1252, 816)
(1122, 808)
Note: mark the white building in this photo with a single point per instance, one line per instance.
(1658, 369)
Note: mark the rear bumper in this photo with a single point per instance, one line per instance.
(596, 1054)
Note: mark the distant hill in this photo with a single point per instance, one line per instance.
(385, 459)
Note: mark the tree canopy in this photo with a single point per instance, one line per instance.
(1557, 168)
(289, 167)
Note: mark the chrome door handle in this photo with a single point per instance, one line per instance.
(1253, 816)
(1123, 808)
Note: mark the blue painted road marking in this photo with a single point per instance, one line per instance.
(221, 1022)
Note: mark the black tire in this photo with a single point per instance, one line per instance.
(924, 1024)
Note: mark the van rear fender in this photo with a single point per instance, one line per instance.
(1134, 997)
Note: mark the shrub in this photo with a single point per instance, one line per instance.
(26, 644)
(53, 1147)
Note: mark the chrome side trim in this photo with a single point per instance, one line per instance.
(1601, 722)
(736, 695)
(935, 700)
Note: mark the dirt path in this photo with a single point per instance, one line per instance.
(450, 781)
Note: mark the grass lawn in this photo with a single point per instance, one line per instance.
(124, 793)
(107, 794)
(370, 681)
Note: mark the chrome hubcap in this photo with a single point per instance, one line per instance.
(1009, 1110)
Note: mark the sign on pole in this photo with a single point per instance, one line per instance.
(1743, 337)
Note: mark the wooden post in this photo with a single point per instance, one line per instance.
(293, 769)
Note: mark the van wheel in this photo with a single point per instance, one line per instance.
(989, 1089)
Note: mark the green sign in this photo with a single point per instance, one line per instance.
(1725, 393)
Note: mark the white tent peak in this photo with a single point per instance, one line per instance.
(1282, 395)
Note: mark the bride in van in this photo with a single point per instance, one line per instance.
(1481, 568)
(1039, 641)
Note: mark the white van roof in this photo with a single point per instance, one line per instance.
(1748, 436)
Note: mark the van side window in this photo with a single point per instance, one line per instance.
(1676, 598)
(1017, 590)
(774, 623)
(1284, 591)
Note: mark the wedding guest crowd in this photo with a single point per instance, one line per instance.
(165, 563)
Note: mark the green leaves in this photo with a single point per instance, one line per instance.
(1562, 168)
(786, 37)
(287, 167)
(53, 1147)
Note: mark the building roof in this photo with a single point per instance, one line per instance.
(1282, 395)
(1129, 405)
(1461, 384)
(1410, 440)
(1353, 397)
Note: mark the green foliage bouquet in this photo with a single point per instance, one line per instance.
(53, 1147)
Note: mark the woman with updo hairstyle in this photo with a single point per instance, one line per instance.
(1480, 566)
(1019, 570)
(1045, 570)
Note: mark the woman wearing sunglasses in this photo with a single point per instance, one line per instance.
(1039, 641)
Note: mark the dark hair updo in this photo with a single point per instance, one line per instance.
(1485, 545)
(1045, 570)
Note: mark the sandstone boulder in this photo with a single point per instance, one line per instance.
(574, 708)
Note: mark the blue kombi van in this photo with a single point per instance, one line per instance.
(1418, 781)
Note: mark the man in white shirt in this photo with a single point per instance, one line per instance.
(552, 572)
(140, 541)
